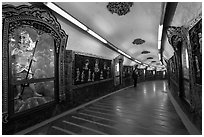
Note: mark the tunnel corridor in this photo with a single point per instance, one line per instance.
(144, 110)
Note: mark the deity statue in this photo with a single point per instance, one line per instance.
(89, 75)
(96, 69)
(108, 72)
(86, 64)
(82, 76)
(104, 66)
(93, 76)
(200, 41)
(101, 75)
(78, 74)
(197, 66)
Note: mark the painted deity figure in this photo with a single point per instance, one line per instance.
(108, 72)
(78, 75)
(86, 64)
(200, 41)
(104, 66)
(93, 76)
(101, 75)
(23, 55)
(96, 69)
(82, 76)
(89, 75)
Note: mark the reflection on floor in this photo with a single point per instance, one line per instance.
(144, 110)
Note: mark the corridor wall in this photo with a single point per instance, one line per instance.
(185, 69)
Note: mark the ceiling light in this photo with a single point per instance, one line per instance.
(159, 56)
(63, 13)
(160, 36)
(97, 36)
(161, 63)
(160, 32)
(124, 53)
(159, 44)
(137, 61)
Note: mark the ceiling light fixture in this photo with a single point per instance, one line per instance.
(146, 65)
(159, 56)
(160, 32)
(63, 13)
(97, 36)
(124, 53)
(160, 36)
(138, 61)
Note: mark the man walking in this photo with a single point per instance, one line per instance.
(135, 75)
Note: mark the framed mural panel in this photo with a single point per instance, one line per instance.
(195, 36)
(127, 71)
(89, 68)
(185, 72)
(33, 44)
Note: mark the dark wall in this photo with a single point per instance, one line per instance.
(193, 108)
(83, 94)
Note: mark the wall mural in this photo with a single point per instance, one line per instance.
(195, 35)
(172, 62)
(127, 71)
(89, 69)
(32, 42)
(185, 62)
(149, 73)
(32, 57)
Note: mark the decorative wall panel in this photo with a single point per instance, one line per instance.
(127, 71)
(195, 36)
(32, 42)
(89, 68)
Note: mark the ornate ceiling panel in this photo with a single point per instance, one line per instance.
(145, 52)
(138, 41)
(120, 8)
(150, 58)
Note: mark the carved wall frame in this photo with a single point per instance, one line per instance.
(71, 57)
(41, 20)
(192, 79)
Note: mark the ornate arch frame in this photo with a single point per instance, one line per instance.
(43, 21)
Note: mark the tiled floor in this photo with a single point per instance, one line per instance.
(144, 110)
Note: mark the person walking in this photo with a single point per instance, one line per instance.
(135, 75)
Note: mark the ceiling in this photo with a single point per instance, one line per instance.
(141, 22)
